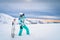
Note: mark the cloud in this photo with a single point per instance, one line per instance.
(26, 6)
(48, 7)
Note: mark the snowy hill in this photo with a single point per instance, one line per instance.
(5, 18)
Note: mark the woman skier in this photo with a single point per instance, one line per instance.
(22, 24)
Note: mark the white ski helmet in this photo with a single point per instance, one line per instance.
(21, 14)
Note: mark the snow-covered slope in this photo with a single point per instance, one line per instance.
(5, 18)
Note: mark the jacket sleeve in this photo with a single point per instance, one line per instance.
(19, 21)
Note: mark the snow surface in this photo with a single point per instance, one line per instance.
(37, 31)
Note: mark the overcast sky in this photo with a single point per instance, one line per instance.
(33, 5)
(38, 5)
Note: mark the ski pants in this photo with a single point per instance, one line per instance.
(21, 29)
